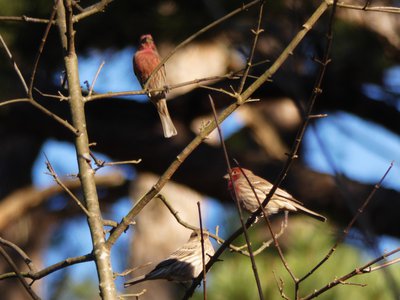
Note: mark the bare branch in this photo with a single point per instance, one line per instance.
(385, 9)
(12, 101)
(256, 32)
(51, 269)
(349, 226)
(358, 271)
(21, 77)
(20, 252)
(95, 78)
(24, 18)
(18, 274)
(19, 202)
(91, 10)
(64, 187)
(215, 236)
(40, 50)
(203, 259)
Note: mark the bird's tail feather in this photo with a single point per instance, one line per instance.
(135, 280)
(166, 122)
(310, 212)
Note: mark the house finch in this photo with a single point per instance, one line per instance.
(281, 200)
(146, 59)
(184, 264)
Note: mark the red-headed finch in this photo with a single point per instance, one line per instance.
(184, 264)
(146, 59)
(280, 201)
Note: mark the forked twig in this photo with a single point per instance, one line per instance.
(21, 278)
(20, 252)
(357, 271)
(64, 187)
(101, 163)
(215, 236)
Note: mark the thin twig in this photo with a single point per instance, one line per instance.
(203, 259)
(12, 101)
(31, 100)
(219, 90)
(20, 252)
(389, 263)
(357, 271)
(64, 187)
(21, 77)
(95, 78)
(60, 96)
(21, 278)
(385, 9)
(215, 236)
(130, 270)
(136, 295)
(256, 32)
(40, 50)
(91, 10)
(349, 226)
(51, 269)
(281, 286)
(24, 18)
(61, 121)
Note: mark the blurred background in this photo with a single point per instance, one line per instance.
(341, 157)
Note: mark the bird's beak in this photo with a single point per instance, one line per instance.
(226, 176)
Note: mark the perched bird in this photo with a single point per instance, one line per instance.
(184, 264)
(146, 59)
(280, 201)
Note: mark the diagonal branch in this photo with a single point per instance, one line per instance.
(17, 70)
(240, 99)
(349, 226)
(357, 271)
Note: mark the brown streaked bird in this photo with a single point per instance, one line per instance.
(184, 264)
(280, 201)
